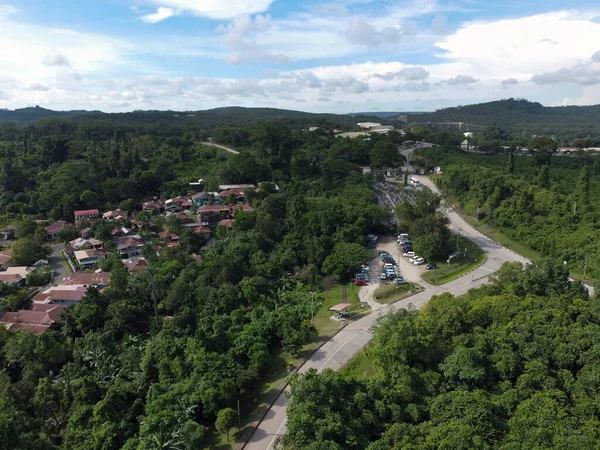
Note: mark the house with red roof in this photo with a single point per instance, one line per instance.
(89, 214)
(66, 295)
(53, 229)
(37, 319)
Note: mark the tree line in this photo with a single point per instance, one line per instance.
(510, 365)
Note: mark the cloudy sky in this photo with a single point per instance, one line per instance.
(341, 56)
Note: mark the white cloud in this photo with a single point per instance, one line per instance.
(461, 80)
(509, 82)
(362, 33)
(241, 34)
(596, 56)
(37, 87)
(56, 59)
(161, 13)
(215, 9)
(408, 73)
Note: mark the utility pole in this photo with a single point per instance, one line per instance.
(312, 306)
(239, 416)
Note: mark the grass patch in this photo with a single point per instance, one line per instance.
(458, 267)
(390, 292)
(361, 366)
(322, 320)
(66, 264)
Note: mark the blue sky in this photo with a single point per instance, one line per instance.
(338, 56)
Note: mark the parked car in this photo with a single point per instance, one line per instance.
(431, 266)
(359, 283)
(400, 280)
(365, 267)
(383, 254)
(360, 276)
(408, 254)
(383, 276)
(419, 261)
(412, 259)
(403, 236)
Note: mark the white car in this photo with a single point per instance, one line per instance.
(383, 276)
(409, 254)
(412, 259)
(418, 261)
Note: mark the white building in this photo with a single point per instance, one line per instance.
(368, 125)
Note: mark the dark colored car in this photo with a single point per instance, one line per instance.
(431, 266)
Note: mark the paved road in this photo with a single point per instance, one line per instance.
(57, 263)
(222, 147)
(339, 350)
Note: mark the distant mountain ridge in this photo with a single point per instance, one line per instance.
(520, 116)
(203, 118)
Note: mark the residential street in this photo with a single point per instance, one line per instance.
(339, 350)
(57, 263)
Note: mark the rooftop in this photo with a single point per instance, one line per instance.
(87, 212)
(225, 187)
(87, 279)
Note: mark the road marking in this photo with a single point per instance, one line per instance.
(277, 432)
(485, 268)
(340, 347)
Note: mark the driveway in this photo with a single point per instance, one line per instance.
(57, 263)
(222, 147)
(348, 342)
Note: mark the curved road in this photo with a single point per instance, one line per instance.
(348, 342)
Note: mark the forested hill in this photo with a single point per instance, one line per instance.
(235, 115)
(521, 115)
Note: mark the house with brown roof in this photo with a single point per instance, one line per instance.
(212, 214)
(37, 319)
(89, 214)
(66, 295)
(53, 229)
(129, 246)
(177, 204)
(169, 238)
(117, 214)
(204, 231)
(227, 223)
(99, 279)
(236, 195)
(5, 258)
(136, 265)
(16, 276)
(154, 205)
(240, 207)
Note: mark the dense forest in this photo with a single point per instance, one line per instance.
(54, 167)
(522, 117)
(549, 203)
(511, 365)
(156, 358)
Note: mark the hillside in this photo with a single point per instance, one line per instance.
(522, 116)
(205, 118)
